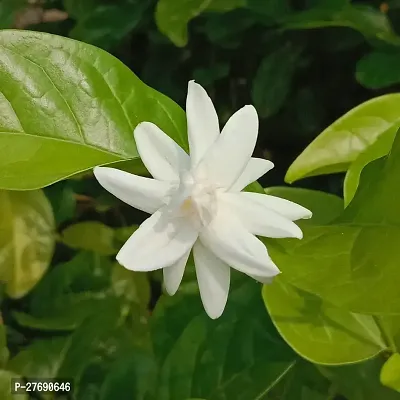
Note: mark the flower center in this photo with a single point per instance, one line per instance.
(195, 199)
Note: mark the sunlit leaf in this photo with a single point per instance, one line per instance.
(353, 262)
(342, 142)
(390, 372)
(70, 106)
(318, 331)
(379, 148)
(26, 239)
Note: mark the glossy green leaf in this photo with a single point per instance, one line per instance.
(324, 206)
(390, 372)
(353, 263)
(273, 79)
(378, 70)
(26, 239)
(371, 22)
(5, 385)
(360, 381)
(318, 331)
(342, 142)
(67, 106)
(379, 148)
(173, 16)
(237, 357)
(91, 236)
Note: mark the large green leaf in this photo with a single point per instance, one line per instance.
(237, 357)
(342, 142)
(318, 331)
(67, 106)
(172, 16)
(353, 262)
(378, 70)
(273, 79)
(26, 239)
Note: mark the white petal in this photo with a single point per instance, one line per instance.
(229, 155)
(257, 217)
(213, 276)
(160, 154)
(231, 242)
(142, 193)
(158, 243)
(202, 121)
(256, 168)
(286, 208)
(173, 275)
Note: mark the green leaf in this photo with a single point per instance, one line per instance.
(376, 70)
(67, 106)
(302, 382)
(173, 16)
(359, 381)
(91, 236)
(318, 331)
(341, 143)
(69, 293)
(324, 206)
(377, 150)
(390, 372)
(26, 239)
(68, 356)
(371, 22)
(5, 384)
(273, 79)
(42, 359)
(237, 357)
(105, 25)
(63, 201)
(353, 263)
(129, 378)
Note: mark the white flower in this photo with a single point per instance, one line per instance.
(197, 203)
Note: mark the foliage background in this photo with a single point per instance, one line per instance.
(302, 64)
